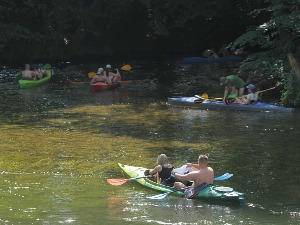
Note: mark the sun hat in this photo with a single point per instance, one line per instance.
(251, 86)
(108, 66)
(223, 80)
(100, 70)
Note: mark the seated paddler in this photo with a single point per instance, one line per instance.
(203, 175)
(162, 171)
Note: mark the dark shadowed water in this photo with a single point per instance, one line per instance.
(60, 142)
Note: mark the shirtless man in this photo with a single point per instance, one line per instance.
(28, 74)
(114, 77)
(205, 174)
(111, 76)
(99, 77)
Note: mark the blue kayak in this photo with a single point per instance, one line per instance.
(193, 102)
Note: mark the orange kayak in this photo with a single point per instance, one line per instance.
(100, 86)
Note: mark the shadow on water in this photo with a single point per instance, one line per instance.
(60, 142)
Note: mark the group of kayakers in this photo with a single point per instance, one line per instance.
(192, 176)
(234, 90)
(106, 76)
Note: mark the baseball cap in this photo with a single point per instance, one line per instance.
(223, 80)
(100, 70)
(251, 86)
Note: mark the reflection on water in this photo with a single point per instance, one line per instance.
(60, 142)
(116, 206)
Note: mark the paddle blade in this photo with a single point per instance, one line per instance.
(204, 96)
(117, 182)
(126, 81)
(77, 82)
(91, 74)
(224, 176)
(160, 196)
(47, 66)
(126, 67)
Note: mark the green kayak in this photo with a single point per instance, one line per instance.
(23, 84)
(212, 193)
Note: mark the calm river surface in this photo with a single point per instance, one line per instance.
(60, 142)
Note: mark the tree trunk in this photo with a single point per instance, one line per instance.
(294, 64)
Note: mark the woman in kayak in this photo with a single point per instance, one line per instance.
(162, 171)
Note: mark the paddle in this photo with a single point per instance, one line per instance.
(126, 67)
(161, 196)
(205, 97)
(231, 98)
(120, 181)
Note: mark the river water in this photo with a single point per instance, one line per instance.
(60, 142)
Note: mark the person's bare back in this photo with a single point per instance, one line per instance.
(28, 74)
(204, 175)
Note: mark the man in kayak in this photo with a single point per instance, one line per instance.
(233, 85)
(28, 74)
(112, 77)
(99, 77)
(204, 174)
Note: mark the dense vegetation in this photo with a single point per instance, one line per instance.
(55, 30)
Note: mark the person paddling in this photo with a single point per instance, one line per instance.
(99, 77)
(162, 171)
(205, 174)
(251, 98)
(112, 77)
(28, 74)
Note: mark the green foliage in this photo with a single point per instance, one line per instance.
(279, 35)
(263, 70)
(291, 93)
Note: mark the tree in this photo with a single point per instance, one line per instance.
(36, 29)
(279, 36)
(198, 25)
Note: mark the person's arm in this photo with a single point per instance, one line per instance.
(193, 165)
(225, 93)
(185, 177)
(156, 169)
(36, 74)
